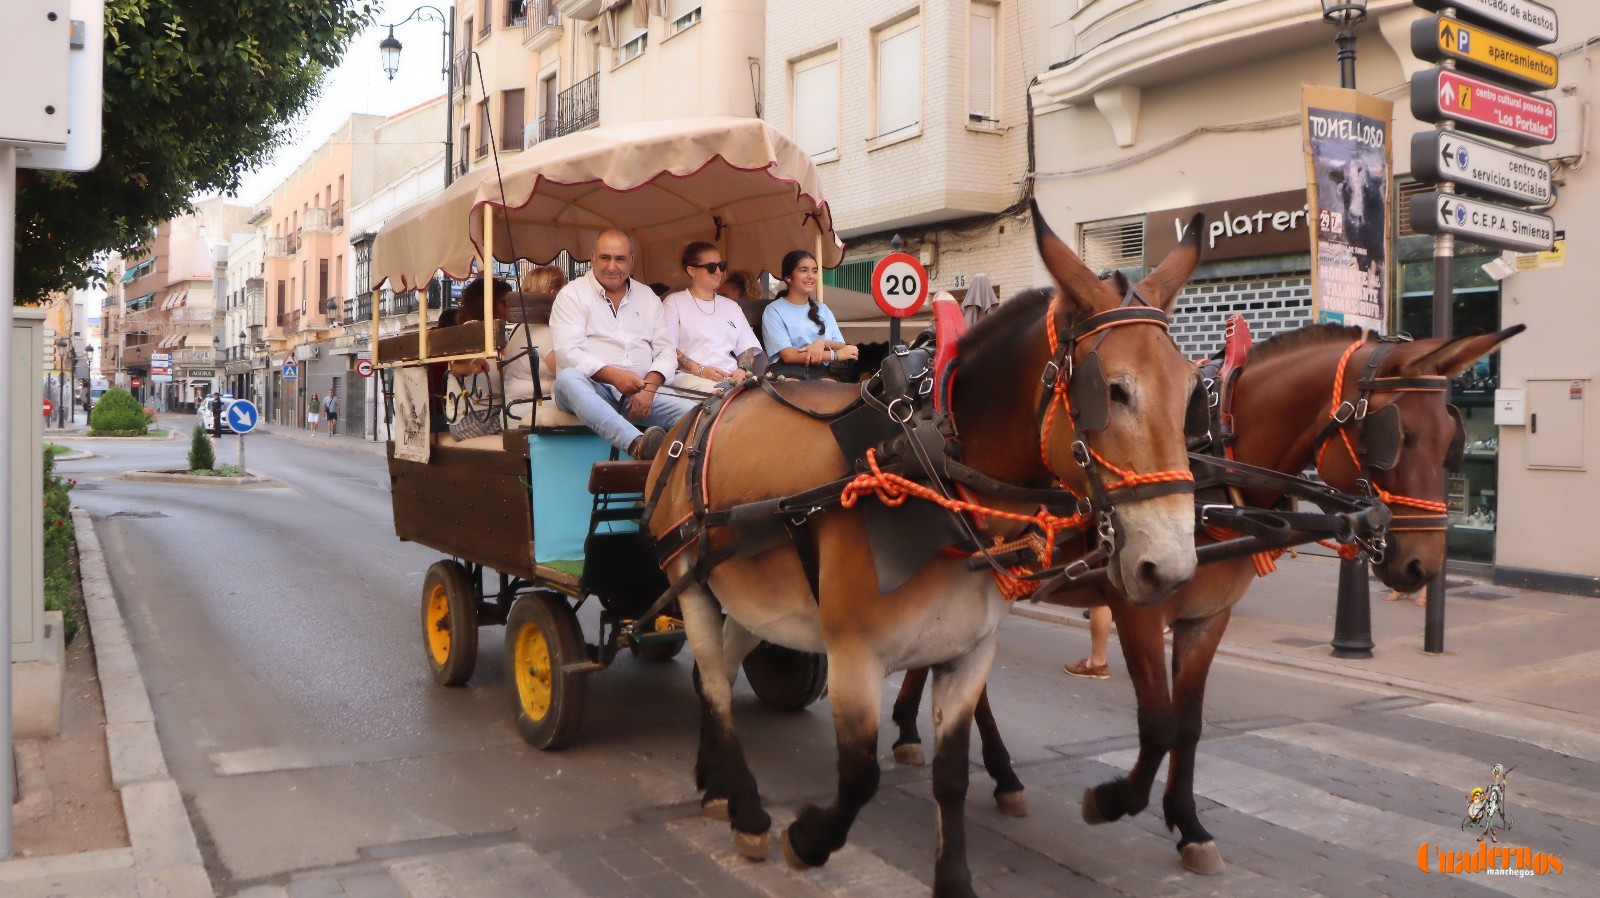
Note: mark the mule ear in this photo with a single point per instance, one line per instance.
(1079, 286)
(1457, 355)
(1162, 285)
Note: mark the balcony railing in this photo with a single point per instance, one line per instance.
(293, 244)
(336, 214)
(190, 315)
(578, 106)
(357, 309)
(192, 356)
(461, 70)
(278, 248)
(483, 29)
(542, 17)
(512, 139)
(482, 151)
(315, 220)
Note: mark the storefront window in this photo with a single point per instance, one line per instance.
(1472, 492)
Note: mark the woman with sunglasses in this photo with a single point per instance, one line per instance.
(713, 338)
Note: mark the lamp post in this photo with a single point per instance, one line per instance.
(1346, 14)
(1352, 619)
(389, 51)
(62, 346)
(88, 377)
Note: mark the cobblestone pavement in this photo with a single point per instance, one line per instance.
(1337, 808)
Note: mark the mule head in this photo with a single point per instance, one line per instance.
(1129, 391)
(1426, 438)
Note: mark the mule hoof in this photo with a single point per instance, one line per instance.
(910, 754)
(795, 861)
(1091, 809)
(754, 846)
(1202, 858)
(1013, 804)
(715, 809)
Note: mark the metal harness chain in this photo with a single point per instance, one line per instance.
(1383, 495)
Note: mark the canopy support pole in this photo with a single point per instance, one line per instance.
(817, 251)
(486, 272)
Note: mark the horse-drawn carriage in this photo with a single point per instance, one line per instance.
(540, 517)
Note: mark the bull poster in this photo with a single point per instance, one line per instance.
(1348, 165)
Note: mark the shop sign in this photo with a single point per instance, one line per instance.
(1524, 18)
(202, 372)
(1269, 225)
(1437, 38)
(1479, 167)
(1480, 222)
(1483, 107)
(1554, 257)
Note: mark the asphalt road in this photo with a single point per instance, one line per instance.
(277, 629)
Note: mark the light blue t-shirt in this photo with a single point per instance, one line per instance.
(785, 325)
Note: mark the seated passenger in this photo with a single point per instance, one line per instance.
(713, 339)
(611, 341)
(737, 285)
(802, 337)
(478, 394)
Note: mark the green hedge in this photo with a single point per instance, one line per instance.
(201, 458)
(116, 414)
(59, 536)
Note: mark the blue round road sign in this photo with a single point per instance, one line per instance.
(242, 416)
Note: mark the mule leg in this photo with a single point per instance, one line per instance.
(908, 745)
(958, 686)
(855, 685)
(1008, 792)
(1139, 631)
(1194, 645)
(737, 643)
(721, 756)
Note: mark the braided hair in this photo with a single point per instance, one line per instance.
(791, 261)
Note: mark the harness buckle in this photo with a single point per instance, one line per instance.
(1085, 507)
(901, 349)
(1361, 408)
(1344, 412)
(1076, 569)
(1205, 510)
(1365, 487)
(1080, 454)
(1050, 373)
(926, 386)
(676, 449)
(905, 404)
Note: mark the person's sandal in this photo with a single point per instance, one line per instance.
(1089, 671)
(645, 446)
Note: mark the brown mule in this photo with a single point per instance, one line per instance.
(947, 615)
(1282, 403)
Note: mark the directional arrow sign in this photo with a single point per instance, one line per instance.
(1480, 167)
(1524, 18)
(1437, 38)
(1483, 107)
(1480, 222)
(242, 416)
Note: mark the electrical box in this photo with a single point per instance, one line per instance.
(26, 561)
(1510, 408)
(1558, 422)
(34, 44)
(85, 102)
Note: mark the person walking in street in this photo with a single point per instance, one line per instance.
(330, 407)
(1095, 666)
(313, 412)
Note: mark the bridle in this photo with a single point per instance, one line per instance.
(1078, 386)
(1377, 445)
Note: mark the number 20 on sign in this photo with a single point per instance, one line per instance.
(899, 285)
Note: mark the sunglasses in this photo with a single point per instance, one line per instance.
(711, 267)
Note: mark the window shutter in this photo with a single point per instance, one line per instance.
(1113, 245)
(816, 107)
(980, 64)
(899, 80)
(1402, 205)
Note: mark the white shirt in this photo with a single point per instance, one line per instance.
(589, 334)
(710, 333)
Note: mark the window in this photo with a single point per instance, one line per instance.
(634, 37)
(982, 64)
(681, 14)
(816, 104)
(322, 284)
(899, 53)
(516, 12)
(483, 130)
(363, 267)
(512, 125)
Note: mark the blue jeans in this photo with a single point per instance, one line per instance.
(605, 410)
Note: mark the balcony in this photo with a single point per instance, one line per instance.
(314, 221)
(189, 315)
(512, 139)
(336, 214)
(482, 151)
(585, 10)
(193, 357)
(358, 309)
(278, 248)
(578, 107)
(485, 28)
(543, 25)
(461, 70)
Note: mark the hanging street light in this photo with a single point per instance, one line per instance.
(389, 53)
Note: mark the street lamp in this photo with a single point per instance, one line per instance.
(389, 52)
(88, 372)
(62, 345)
(1346, 14)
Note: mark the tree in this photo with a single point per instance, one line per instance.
(197, 93)
(201, 456)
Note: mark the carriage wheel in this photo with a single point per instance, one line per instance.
(784, 679)
(542, 641)
(450, 623)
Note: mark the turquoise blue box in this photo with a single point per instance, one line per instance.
(560, 464)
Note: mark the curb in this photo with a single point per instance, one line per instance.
(362, 446)
(165, 855)
(75, 455)
(172, 434)
(168, 477)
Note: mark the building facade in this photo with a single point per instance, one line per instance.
(916, 115)
(1147, 111)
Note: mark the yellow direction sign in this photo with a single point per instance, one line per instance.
(1438, 38)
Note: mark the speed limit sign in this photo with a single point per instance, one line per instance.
(364, 367)
(899, 285)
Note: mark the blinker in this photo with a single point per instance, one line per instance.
(1197, 420)
(1089, 395)
(1458, 442)
(1380, 438)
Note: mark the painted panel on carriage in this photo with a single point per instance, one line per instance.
(1348, 161)
(559, 485)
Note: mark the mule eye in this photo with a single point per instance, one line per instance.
(1119, 393)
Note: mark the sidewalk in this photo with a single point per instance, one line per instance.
(1535, 650)
(301, 435)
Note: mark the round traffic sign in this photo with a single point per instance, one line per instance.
(48, 407)
(364, 367)
(899, 285)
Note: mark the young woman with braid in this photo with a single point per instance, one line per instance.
(802, 337)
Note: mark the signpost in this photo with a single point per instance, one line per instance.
(364, 367)
(242, 417)
(1484, 36)
(291, 369)
(899, 287)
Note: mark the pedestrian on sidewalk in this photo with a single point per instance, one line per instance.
(313, 408)
(330, 407)
(1094, 667)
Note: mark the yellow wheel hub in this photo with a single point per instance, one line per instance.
(532, 660)
(439, 625)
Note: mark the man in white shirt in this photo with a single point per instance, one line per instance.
(611, 341)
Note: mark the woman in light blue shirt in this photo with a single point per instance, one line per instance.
(798, 331)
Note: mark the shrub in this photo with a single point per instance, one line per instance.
(59, 536)
(201, 457)
(116, 413)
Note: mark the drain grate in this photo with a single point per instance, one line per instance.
(136, 514)
(1300, 642)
